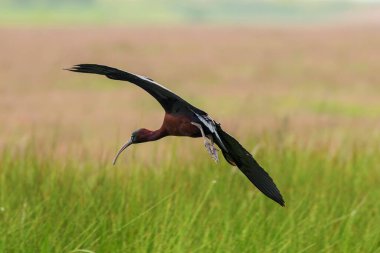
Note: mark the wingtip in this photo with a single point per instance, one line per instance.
(280, 201)
(73, 68)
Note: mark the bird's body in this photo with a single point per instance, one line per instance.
(183, 119)
(180, 125)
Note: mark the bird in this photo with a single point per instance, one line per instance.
(183, 119)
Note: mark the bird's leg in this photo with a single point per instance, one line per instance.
(209, 145)
(214, 150)
(212, 142)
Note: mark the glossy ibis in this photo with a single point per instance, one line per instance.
(183, 119)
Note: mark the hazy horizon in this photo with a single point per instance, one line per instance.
(95, 12)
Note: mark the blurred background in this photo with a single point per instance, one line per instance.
(301, 67)
(296, 82)
(51, 12)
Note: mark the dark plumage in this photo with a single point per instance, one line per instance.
(181, 119)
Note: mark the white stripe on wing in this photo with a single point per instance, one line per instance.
(210, 124)
(151, 81)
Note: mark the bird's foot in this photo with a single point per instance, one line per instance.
(212, 151)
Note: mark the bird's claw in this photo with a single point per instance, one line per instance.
(212, 151)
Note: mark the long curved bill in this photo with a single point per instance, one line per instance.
(121, 150)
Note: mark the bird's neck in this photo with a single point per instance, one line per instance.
(153, 135)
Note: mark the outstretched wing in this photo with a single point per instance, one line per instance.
(163, 95)
(237, 155)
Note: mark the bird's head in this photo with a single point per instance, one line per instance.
(138, 136)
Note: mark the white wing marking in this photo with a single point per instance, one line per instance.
(210, 124)
(153, 82)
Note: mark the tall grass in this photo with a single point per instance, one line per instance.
(86, 205)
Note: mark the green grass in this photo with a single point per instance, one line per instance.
(83, 204)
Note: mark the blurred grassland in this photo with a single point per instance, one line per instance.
(55, 12)
(316, 82)
(303, 100)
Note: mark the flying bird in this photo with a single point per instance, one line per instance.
(183, 119)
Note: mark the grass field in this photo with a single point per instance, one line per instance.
(303, 100)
